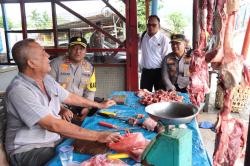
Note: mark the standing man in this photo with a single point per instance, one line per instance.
(75, 74)
(175, 66)
(33, 103)
(97, 41)
(154, 46)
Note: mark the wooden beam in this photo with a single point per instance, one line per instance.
(87, 21)
(114, 10)
(54, 21)
(131, 46)
(23, 19)
(147, 9)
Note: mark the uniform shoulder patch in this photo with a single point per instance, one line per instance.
(64, 67)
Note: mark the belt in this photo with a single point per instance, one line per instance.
(151, 69)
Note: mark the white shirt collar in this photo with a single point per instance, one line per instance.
(157, 35)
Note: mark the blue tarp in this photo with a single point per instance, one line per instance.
(130, 108)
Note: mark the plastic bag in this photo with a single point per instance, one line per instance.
(132, 143)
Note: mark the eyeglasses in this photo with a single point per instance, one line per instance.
(151, 25)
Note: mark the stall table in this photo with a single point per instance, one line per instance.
(131, 108)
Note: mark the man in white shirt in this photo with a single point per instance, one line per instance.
(154, 46)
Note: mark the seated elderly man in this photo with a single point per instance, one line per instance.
(175, 66)
(33, 101)
(76, 74)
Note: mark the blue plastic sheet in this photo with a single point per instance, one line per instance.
(131, 108)
(206, 125)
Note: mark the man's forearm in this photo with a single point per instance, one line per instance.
(68, 129)
(76, 100)
(165, 78)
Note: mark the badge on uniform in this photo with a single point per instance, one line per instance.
(64, 67)
(86, 67)
(92, 82)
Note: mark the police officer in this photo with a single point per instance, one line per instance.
(175, 66)
(75, 74)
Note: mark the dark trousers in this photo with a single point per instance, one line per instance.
(78, 119)
(151, 78)
(77, 110)
(182, 90)
(34, 157)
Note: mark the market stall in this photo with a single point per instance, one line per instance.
(131, 108)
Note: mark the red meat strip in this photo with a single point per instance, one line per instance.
(210, 8)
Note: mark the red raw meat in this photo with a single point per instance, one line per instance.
(101, 160)
(216, 51)
(159, 96)
(198, 68)
(132, 143)
(143, 93)
(246, 76)
(231, 136)
(210, 8)
(149, 124)
(198, 85)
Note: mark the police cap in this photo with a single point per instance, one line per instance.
(78, 41)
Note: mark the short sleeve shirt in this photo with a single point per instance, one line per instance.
(26, 104)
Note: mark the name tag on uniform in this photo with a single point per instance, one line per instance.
(85, 75)
(64, 74)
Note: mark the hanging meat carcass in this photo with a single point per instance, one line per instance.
(198, 86)
(231, 132)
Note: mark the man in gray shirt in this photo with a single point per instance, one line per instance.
(33, 101)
